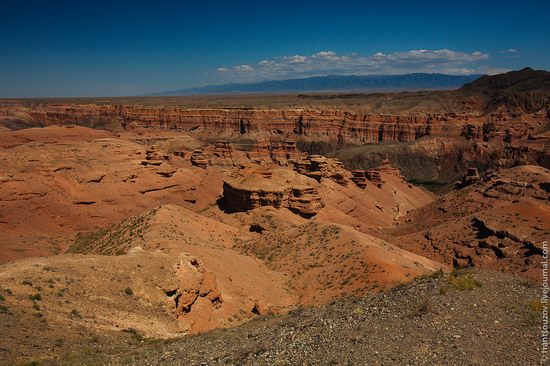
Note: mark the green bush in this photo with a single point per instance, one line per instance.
(35, 297)
(464, 282)
(433, 275)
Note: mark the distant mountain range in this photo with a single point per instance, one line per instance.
(417, 81)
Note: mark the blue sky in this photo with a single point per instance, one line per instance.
(98, 48)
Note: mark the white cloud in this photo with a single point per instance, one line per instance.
(244, 68)
(510, 53)
(329, 62)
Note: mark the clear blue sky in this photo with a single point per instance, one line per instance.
(100, 48)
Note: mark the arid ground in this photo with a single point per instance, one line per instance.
(396, 228)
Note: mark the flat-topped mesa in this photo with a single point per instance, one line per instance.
(358, 177)
(199, 159)
(154, 155)
(374, 176)
(279, 188)
(317, 167)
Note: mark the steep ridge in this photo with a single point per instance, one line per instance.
(325, 261)
(497, 222)
(518, 92)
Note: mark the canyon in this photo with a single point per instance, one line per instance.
(128, 222)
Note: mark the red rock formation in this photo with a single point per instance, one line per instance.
(199, 159)
(358, 177)
(154, 155)
(259, 153)
(387, 168)
(317, 167)
(291, 152)
(264, 152)
(374, 176)
(279, 188)
(498, 222)
(471, 177)
(326, 124)
(222, 154)
(277, 154)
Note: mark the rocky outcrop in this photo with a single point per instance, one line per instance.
(222, 154)
(497, 221)
(279, 188)
(264, 152)
(358, 177)
(154, 155)
(199, 159)
(374, 176)
(471, 177)
(387, 168)
(259, 153)
(196, 285)
(317, 167)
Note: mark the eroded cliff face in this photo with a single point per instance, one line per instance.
(336, 125)
(279, 188)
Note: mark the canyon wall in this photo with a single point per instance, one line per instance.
(337, 125)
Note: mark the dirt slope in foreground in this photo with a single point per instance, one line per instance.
(433, 321)
(48, 305)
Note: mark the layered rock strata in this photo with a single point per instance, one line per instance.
(358, 177)
(198, 158)
(317, 167)
(328, 124)
(222, 154)
(264, 152)
(154, 155)
(280, 188)
(374, 176)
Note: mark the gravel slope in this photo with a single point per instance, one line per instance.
(432, 321)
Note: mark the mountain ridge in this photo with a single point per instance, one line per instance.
(413, 81)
